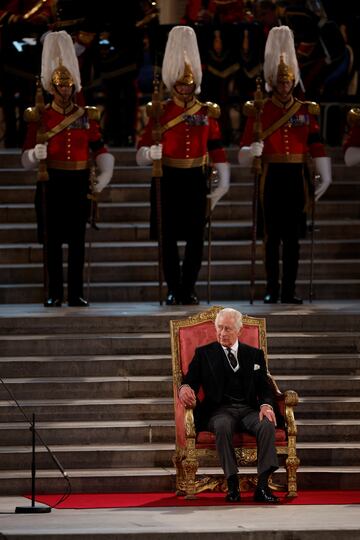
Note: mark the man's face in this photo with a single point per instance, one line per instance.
(226, 332)
(184, 92)
(283, 90)
(62, 95)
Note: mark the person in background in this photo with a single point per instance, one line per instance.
(237, 396)
(290, 131)
(69, 134)
(190, 133)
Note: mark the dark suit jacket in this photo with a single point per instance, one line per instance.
(207, 370)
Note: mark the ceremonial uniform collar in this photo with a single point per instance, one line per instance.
(282, 105)
(60, 110)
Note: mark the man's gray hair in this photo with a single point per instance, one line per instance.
(236, 315)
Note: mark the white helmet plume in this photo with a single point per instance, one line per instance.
(181, 48)
(58, 50)
(280, 48)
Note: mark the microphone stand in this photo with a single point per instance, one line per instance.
(37, 509)
(32, 509)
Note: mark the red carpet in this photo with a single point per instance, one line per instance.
(155, 500)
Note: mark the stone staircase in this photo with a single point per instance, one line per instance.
(99, 383)
(124, 261)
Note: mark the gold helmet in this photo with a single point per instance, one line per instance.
(187, 77)
(280, 63)
(284, 72)
(61, 76)
(59, 64)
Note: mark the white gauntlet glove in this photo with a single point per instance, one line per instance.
(30, 158)
(105, 164)
(256, 148)
(147, 154)
(323, 168)
(223, 172)
(352, 156)
(247, 153)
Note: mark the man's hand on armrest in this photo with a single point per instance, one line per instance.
(187, 396)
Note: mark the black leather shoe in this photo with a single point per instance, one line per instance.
(52, 302)
(172, 300)
(233, 494)
(78, 302)
(270, 299)
(264, 495)
(233, 497)
(190, 300)
(291, 300)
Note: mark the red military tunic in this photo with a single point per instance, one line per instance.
(70, 148)
(292, 142)
(191, 140)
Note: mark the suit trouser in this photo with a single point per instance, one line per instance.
(229, 419)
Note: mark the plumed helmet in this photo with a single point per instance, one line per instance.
(182, 59)
(280, 63)
(59, 63)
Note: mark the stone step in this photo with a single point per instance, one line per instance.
(234, 290)
(87, 366)
(227, 215)
(162, 408)
(155, 431)
(13, 482)
(125, 190)
(343, 231)
(149, 317)
(156, 455)
(97, 387)
(92, 432)
(160, 364)
(30, 252)
(226, 270)
(157, 343)
(161, 386)
(88, 409)
(335, 407)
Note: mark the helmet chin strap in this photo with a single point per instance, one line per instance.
(183, 98)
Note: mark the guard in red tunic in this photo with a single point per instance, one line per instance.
(70, 134)
(190, 134)
(290, 131)
(352, 141)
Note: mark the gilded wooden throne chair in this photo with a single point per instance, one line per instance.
(198, 449)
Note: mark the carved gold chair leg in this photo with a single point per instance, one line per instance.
(190, 467)
(292, 464)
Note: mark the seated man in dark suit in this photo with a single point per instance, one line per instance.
(237, 396)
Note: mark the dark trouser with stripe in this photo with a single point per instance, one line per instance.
(232, 418)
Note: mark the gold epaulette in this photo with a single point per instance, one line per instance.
(213, 109)
(353, 117)
(93, 113)
(31, 114)
(313, 107)
(249, 108)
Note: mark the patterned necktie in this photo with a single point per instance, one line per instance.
(232, 358)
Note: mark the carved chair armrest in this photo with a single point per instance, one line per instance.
(291, 400)
(189, 424)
